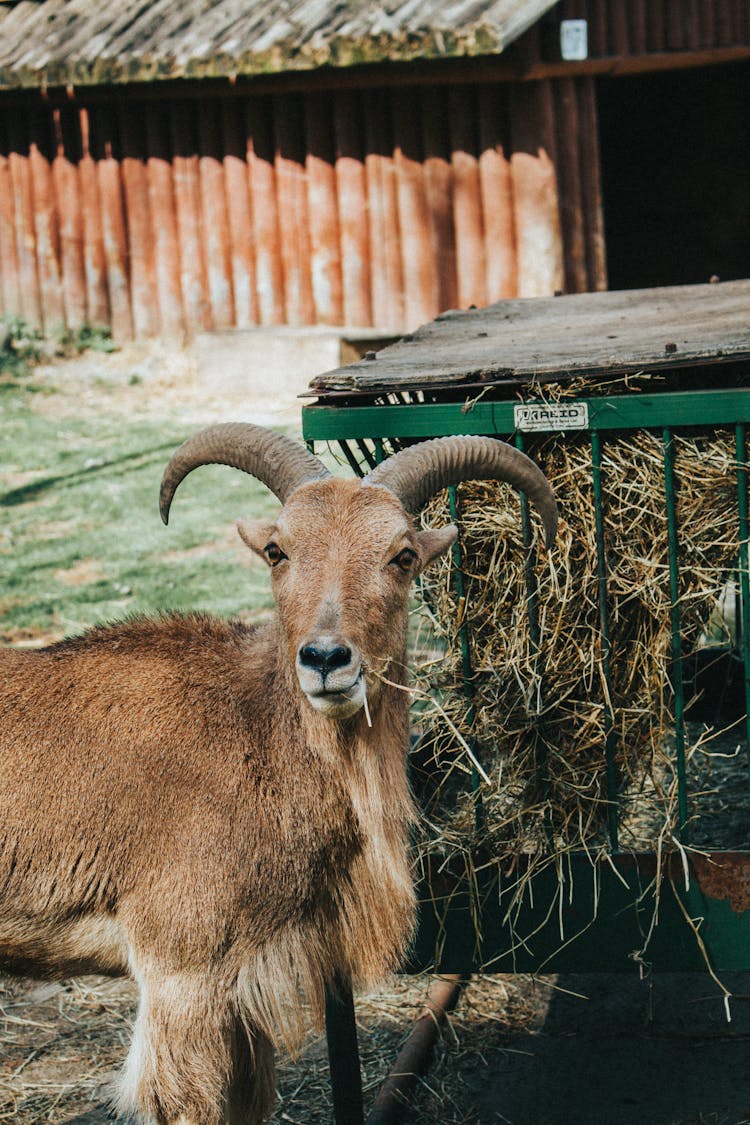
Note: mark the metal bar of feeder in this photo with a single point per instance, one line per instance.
(532, 604)
(743, 617)
(366, 453)
(674, 612)
(353, 462)
(467, 671)
(601, 569)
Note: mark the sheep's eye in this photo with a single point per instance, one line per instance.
(273, 553)
(405, 559)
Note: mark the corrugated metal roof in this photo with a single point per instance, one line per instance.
(84, 42)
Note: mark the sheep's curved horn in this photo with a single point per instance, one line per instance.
(417, 473)
(280, 463)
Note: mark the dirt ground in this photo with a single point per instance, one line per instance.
(606, 1051)
(584, 1050)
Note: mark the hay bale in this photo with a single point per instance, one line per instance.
(538, 718)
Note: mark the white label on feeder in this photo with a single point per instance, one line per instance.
(552, 416)
(574, 45)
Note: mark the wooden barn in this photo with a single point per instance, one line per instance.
(167, 168)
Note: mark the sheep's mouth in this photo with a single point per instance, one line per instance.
(339, 702)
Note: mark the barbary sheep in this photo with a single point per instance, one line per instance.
(221, 811)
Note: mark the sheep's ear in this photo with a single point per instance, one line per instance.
(256, 534)
(435, 542)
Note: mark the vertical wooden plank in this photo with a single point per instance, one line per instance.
(162, 208)
(323, 210)
(269, 277)
(598, 45)
(70, 211)
(438, 177)
(569, 185)
(656, 24)
(106, 148)
(382, 196)
(723, 23)
(186, 184)
(23, 218)
(140, 233)
(706, 15)
(417, 257)
(617, 19)
(351, 185)
(497, 194)
(239, 213)
(467, 197)
(45, 220)
(94, 258)
(215, 216)
(291, 188)
(9, 268)
(675, 27)
(692, 25)
(638, 27)
(535, 195)
(591, 184)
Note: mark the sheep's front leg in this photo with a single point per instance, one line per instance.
(190, 1061)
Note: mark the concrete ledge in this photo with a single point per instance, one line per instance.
(269, 367)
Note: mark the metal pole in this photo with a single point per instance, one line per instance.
(742, 624)
(674, 593)
(467, 672)
(343, 1055)
(601, 569)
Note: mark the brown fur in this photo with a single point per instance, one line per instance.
(174, 807)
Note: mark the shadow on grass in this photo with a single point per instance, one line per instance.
(36, 488)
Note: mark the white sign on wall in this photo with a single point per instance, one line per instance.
(574, 40)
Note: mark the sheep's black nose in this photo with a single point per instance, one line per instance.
(324, 660)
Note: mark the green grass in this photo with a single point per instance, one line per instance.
(81, 540)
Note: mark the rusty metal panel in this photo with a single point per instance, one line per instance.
(535, 191)
(417, 257)
(9, 269)
(372, 207)
(382, 194)
(94, 258)
(323, 210)
(186, 182)
(496, 181)
(23, 219)
(294, 227)
(240, 214)
(266, 237)
(438, 176)
(215, 217)
(46, 228)
(140, 242)
(65, 166)
(467, 197)
(164, 225)
(351, 186)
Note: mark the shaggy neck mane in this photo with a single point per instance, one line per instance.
(378, 885)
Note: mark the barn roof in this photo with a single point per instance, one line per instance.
(85, 42)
